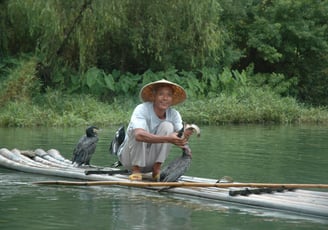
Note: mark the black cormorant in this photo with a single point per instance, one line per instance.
(117, 141)
(85, 147)
(176, 168)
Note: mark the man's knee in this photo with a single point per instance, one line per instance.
(165, 127)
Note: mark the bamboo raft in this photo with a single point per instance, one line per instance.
(295, 198)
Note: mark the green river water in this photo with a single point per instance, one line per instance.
(265, 154)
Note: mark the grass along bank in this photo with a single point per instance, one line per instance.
(55, 109)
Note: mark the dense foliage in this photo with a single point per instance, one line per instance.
(222, 51)
(288, 37)
(231, 98)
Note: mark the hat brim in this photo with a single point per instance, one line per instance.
(147, 92)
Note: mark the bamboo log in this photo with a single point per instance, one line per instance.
(183, 184)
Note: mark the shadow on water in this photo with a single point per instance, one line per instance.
(282, 154)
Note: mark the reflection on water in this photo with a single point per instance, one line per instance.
(247, 153)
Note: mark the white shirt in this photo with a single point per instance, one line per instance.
(144, 117)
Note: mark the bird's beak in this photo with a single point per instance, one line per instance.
(97, 130)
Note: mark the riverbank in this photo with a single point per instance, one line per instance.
(55, 109)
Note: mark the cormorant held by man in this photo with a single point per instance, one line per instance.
(176, 168)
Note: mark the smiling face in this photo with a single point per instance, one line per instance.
(163, 97)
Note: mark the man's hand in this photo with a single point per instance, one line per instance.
(178, 141)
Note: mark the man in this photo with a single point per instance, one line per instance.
(153, 129)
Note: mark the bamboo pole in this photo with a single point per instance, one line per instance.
(182, 184)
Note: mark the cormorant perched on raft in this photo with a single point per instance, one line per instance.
(176, 168)
(85, 147)
(116, 143)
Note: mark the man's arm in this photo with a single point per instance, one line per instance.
(144, 136)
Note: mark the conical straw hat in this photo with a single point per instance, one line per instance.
(147, 92)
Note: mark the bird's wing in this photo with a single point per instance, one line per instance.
(91, 148)
(84, 149)
(78, 148)
(175, 169)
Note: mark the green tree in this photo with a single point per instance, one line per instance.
(126, 35)
(93, 43)
(288, 37)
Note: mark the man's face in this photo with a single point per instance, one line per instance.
(163, 97)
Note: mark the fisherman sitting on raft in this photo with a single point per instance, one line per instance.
(153, 129)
